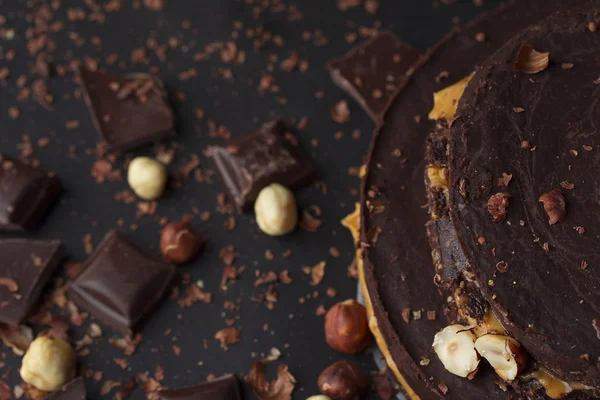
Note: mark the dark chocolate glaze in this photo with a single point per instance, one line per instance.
(268, 155)
(120, 284)
(128, 110)
(398, 267)
(26, 194)
(30, 263)
(224, 388)
(74, 390)
(546, 299)
(372, 71)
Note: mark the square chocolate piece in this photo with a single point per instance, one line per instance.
(224, 388)
(120, 284)
(373, 71)
(74, 390)
(269, 155)
(26, 194)
(128, 110)
(26, 266)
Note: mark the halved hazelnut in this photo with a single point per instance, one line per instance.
(455, 347)
(347, 327)
(505, 355)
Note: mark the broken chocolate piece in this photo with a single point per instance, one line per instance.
(120, 283)
(26, 266)
(74, 390)
(224, 388)
(26, 194)
(372, 71)
(128, 110)
(269, 155)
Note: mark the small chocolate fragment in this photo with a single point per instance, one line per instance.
(120, 284)
(224, 388)
(128, 110)
(74, 390)
(269, 155)
(26, 194)
(372, 71)
(26, 266)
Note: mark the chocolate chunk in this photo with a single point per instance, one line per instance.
(26, 266)
(372, 71)
(269, 155)
(224, 388)
(128, 110)
(120, 284)
(26, 194)
(74, 390)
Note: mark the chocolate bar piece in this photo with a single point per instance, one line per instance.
(74, 390)
(128, 110)
(224, 388)
(372, 71)
(26, 266)
(120, 284)
(26, 194)
(269, 155)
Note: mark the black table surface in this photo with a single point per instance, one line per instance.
(88, 207)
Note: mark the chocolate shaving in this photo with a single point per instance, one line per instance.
(10, 284)
(505, 179)
(317, 273)
(279, 389)
(554, 204)
(227, 337)
(596, 325)
(530, 60)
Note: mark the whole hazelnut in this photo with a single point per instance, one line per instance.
(347, 328)
(343, 381)
(276, 210)
(48, 364)
(179, 243)
(147, 177)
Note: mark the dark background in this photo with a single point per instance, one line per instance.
(89, 207)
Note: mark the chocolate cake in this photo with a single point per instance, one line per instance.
(539, 278)
(407, 309)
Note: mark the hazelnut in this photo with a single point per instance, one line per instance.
(319, 397)
(48, 363)
(347, 327)
(343, 381)
(276, 210)
(179, 243)
(505, 355)
(455, 347)
(147, 177)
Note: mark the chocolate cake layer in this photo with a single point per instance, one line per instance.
(539, 128)
(397, 265)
